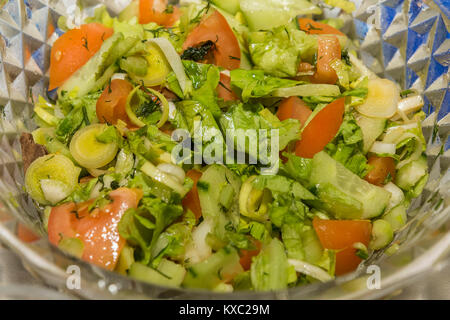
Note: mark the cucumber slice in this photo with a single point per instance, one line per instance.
(371, 128)
(126, 259)
(408, 175)
(396, 217)
(168, 273)
(230, 6)
(211, 186)
(52, 167)
(221, 266)
(73, 246)
(268, 14)
(382, 234)
(343, 193)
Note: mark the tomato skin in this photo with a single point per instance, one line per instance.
(382, 167)
(25, 234)
(112, 102)
(227, 53)
(314, 27)
(341, 235)
(73, 49)
(321, 129)
(97, 229)
(153, 11)
(192, 201)
(329, 49)
(226, 93)
(294, 108)
(247, 255)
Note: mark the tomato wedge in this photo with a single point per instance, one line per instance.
(112, 102)
(157, 11)
(247, 255)
(341, 235)
(73, 49)
(294, 108)
(97, 229)
(227, 53)
(328, 50)
(321, 129)
(191, 201)
(314, 27)
(381, 168)
(224, 89)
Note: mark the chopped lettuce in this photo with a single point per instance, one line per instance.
(279, 51)
(143, 226)
(255, 84)
(242, 117)
(205, 79)
(347, 146)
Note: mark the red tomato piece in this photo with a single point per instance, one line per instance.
(227, 53)
(97, 229)
(73, 49)
(321, 129)
(341, 235)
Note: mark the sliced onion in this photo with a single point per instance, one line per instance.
(198, 249)
(164, 105)
(174, 60)
(96, 172)
(407, 106)
(120, 76)
(383, 148)
(382, 99)
(166, 179)
(310, 270)
(54, 190)
(173, 170)
(308, 90)
(397, 195)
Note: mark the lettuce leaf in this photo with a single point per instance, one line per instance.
(255, 84)
(205, 79)
(279, 51)
(347, 146)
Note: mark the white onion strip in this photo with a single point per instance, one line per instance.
(383, 148)
(174, 60)
(310, 270)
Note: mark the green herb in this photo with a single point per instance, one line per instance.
(199, 52)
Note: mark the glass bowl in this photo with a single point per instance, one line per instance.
(406, 41)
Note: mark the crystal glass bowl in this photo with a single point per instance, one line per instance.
(406, 41)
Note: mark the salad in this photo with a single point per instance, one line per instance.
(222, 145)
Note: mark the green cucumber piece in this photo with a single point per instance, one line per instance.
(343, 193)
(168, 273)
(211, 186)
(269, 270)
(126, 259)
(396, 217)
(371, 128)
(382, 234)
(230, 6)
(268, 14)
(221, 266)
(408, 175)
